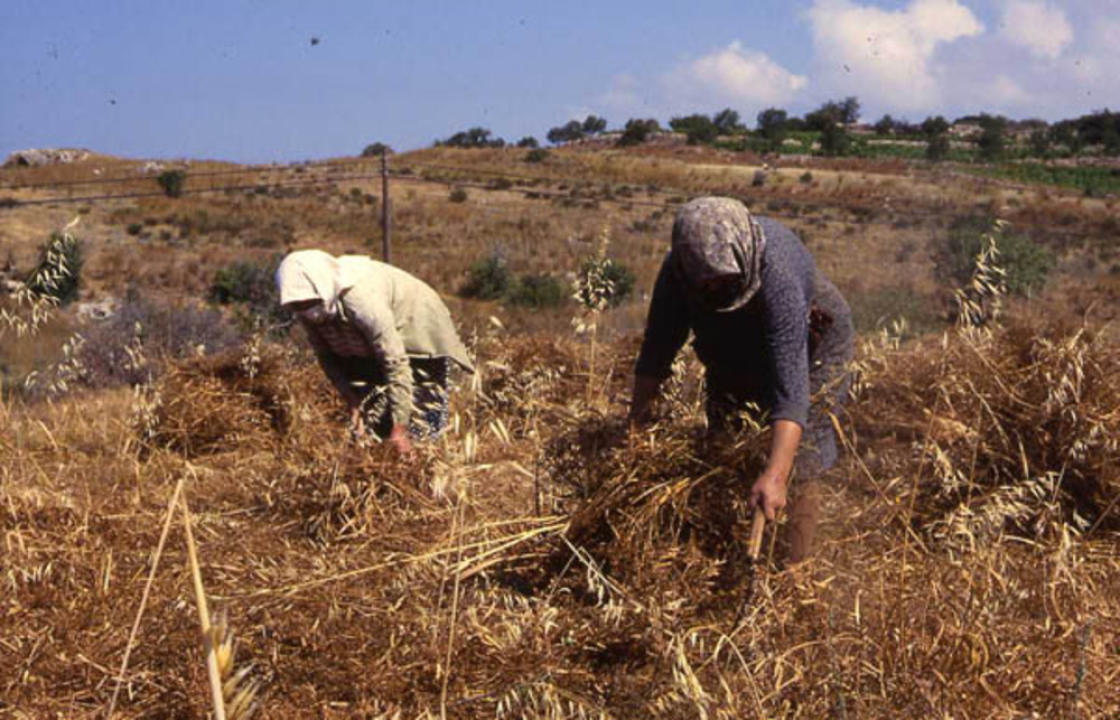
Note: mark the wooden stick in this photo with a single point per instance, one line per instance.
(758, 524)
(144, 596)
(204, 618)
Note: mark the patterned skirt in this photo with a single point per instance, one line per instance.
(429, 395)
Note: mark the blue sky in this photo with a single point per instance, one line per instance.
(241, 80)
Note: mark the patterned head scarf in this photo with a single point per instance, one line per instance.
(316, 275)
(715, 237)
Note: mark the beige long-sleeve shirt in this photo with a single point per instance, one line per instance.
(388, 316)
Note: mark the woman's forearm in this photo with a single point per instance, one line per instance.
(783, 448)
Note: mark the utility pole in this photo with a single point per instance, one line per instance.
(386, 245)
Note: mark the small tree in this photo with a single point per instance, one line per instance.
(844, 111)
(885, 126)
(698, 128)
(727, 122)
(772, 125)
(992, 137)
(835, 140)
(376, 149)
(637, 130)
(934, 126)
(936, 131)
(528, 142)
(573, 130)
(593, 125)
(937, 148)
(475, 137)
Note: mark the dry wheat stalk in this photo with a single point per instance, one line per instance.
(233, 693)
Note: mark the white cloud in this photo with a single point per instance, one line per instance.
(885, 56)
(1037, 26)
(743, 79)
(733, 76)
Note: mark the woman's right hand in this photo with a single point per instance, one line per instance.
(357, 425)
(398, 438)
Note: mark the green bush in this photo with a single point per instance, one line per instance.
(607, 279)
(135, 228)
(1025, 263)
(538, 291)
(457, 195)
(250, 285)
(937, 149)
(536, 155)
(487, 279)
(876, 309)
(637, 130)
(172, 182)
(835, 140)
(59, 271)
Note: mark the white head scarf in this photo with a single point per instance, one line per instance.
(317, 275)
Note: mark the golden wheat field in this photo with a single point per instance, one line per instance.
(541, 560)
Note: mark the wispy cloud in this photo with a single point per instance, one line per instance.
(732, 76)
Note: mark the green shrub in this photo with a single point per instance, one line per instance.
(135, 228)
(876, 309)
(536, 155)
(805, 178)
(457, 195)
(1025, 263)
(538, 291)
(637, 130)
(59, 271)
(603, 280)
(250, 286)
(937, 149)
(172, 182)
(487, 279)
(835, 140)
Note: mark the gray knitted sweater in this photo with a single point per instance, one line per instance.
(767, 339)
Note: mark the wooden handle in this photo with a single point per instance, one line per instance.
(758, 524)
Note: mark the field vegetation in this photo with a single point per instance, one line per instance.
(541, 561)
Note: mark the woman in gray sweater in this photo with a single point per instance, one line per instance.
(770, 330)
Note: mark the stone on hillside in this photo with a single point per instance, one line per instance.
(99, 310)
(37, 157)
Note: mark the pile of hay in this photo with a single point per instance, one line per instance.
(1011, 430)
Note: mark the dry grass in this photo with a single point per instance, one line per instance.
(570, 570)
